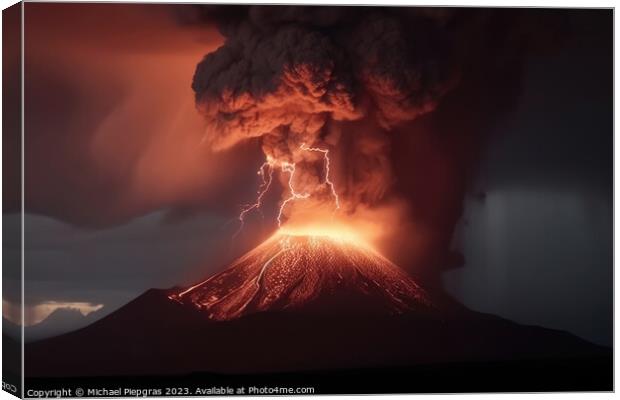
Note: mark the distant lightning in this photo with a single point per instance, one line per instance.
(327, 181)
(267, 178)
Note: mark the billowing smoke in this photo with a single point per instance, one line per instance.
(293, 76)
(403, 98)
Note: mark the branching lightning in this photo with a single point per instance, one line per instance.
(290, 168)
(267, 178)
(266, 172)
(327, 180)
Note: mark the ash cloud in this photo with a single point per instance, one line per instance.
(288, 71)
(403, 98)
(294, 75)
(380, 87)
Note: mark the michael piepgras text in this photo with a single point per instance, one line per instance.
(172, 391)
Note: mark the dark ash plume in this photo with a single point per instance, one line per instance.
(284, 73)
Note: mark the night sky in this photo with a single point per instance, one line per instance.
(507, 183)
(538, 248)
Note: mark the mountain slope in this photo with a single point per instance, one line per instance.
(312, 304)
(155, 336)
(319, 273)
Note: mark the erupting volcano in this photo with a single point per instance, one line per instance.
(357, 152)
(319, 272)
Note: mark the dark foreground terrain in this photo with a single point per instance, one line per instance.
(155, 342)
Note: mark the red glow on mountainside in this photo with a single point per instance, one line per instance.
(316, 270)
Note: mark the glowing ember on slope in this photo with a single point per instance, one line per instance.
(324, 271)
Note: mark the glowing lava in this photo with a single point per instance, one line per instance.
(321, 271)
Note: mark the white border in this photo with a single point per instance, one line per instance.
(460, 3)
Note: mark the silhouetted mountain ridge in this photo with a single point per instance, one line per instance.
(309, 304)
(154, 335)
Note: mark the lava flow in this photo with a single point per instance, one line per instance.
(314, 271)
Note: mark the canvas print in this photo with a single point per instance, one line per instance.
(242, 199)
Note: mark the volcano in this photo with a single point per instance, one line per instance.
(321, 309)
(313, 273)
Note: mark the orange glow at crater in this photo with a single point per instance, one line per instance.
(333, 231)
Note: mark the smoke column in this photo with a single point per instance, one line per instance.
(402, 98)
(292, 76)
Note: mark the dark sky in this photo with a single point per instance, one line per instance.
(125, 199)
(538, 248)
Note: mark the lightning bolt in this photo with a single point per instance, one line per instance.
(327, 180)
(266, 173)
(267, 178)
(290, 168)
